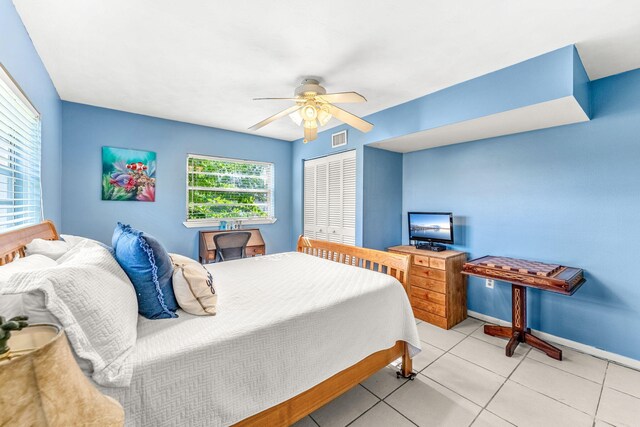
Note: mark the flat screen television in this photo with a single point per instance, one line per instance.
(432, 227)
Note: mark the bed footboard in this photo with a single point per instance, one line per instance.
(396, 265)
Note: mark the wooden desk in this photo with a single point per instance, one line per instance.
(523, 274)
(438, 291)
(255, 246)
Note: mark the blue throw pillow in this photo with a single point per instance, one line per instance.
(149, 268)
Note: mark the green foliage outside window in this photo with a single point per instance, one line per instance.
(222, 189)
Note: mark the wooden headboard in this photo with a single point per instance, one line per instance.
(396, 265)
(12, 243)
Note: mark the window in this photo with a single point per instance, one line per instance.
(228, 189)
(20, 191)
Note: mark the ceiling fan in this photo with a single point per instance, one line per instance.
(314, 107)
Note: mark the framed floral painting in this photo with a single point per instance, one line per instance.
(128, 174)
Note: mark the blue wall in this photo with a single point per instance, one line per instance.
(382, 199)
(546, 77)
(20, 58)
(569, 194)
(86, 129)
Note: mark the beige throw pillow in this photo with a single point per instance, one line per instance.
(193, 286)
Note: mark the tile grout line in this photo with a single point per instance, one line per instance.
(567, 372)
(403, 415)
(485, 368)
(314, 421)
(526, 356)
(484, 408)
(571, 373)
(507, 378)
(559, 401)
(606, 370)
(362, 414)
(406, 382)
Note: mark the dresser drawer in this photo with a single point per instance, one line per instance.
(254, 250)
(430, 284)
(430, 273)
(421, 260)
(426, 295)
(426, 261)
(437, 263)
(429, 307)
(434, 319)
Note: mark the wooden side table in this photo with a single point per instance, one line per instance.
(523, 274)
(42, 384)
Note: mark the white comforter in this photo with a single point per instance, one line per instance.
(285, 323)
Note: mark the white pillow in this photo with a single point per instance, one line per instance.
(193, 286)
(12, 305)
(93, 299)
(53, 249)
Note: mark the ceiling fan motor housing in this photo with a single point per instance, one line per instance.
(310, 87)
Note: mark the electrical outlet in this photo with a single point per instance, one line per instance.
(490, 283)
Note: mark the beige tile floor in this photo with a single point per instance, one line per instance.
(465, 380)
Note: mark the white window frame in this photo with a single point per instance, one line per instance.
(195, 223)
(27, 154)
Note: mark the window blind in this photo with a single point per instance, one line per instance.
(20, 188)
(229, 189)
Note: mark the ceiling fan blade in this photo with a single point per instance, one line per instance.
(310, 134)
(343, 97)
(350, 119)
(275, 117)
(278, 99)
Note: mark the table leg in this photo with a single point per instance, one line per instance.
(512, 344)
(551, 351)
(518, 332)
(498, 331)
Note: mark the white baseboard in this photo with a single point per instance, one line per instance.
(583, 348)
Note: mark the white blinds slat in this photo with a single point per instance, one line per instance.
(20, 152)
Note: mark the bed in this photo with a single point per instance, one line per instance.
(294, 331)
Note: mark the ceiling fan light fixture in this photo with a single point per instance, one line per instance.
(296, 117)
(310, 124)
(314, 107)
(324, 116)
(309, 112)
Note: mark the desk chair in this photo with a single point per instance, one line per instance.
(231, 245)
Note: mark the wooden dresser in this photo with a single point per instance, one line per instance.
(438, 288)
(255, 245)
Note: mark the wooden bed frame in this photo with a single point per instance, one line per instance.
(12, 245)
(296, 408)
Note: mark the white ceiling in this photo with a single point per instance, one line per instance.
(203, 61)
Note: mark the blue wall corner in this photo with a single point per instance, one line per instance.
(382, 200)
(19, 57)
(87, 129)
(581, 84)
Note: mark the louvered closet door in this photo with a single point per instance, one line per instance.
(309, 200)
(330, 198)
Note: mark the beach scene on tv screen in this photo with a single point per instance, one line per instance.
(430, 227)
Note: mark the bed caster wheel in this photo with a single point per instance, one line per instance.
(409, 377)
